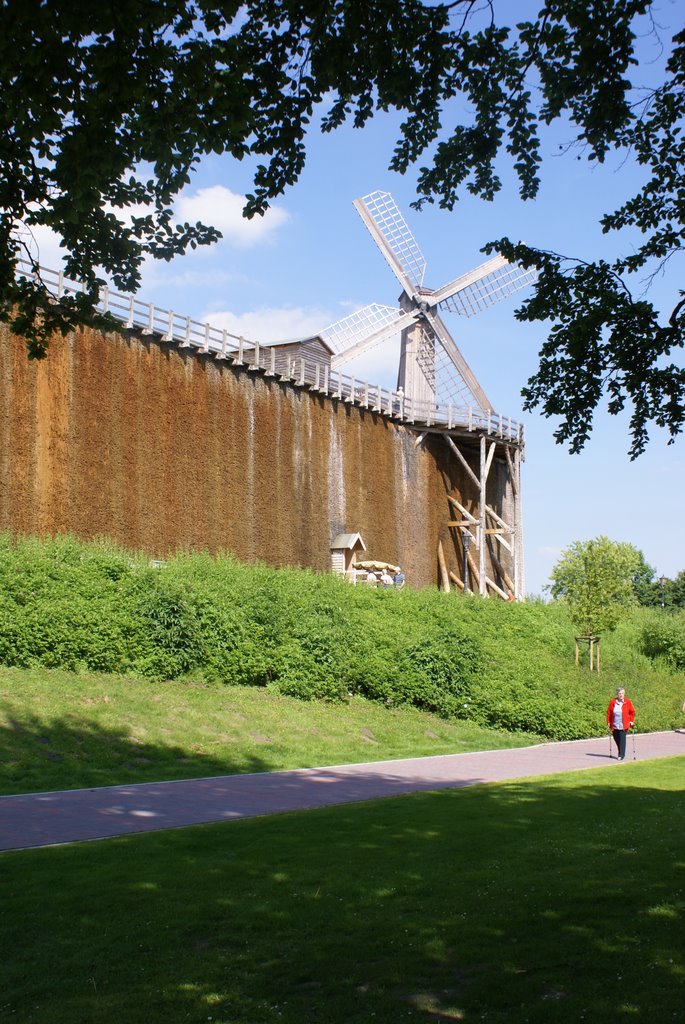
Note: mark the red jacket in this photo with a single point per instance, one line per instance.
(628, 713)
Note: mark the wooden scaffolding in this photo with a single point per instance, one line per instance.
(487, 543)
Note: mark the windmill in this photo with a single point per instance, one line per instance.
(432, 369)
(433, 373)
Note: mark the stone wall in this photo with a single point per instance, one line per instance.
(159, 447)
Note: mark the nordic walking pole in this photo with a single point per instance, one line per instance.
(611, 749)
(633, 732)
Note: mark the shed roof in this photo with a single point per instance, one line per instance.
(282, 342)
(348, 540)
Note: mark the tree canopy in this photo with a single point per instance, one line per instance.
(664, 591)
(108, 108)
(596, 578)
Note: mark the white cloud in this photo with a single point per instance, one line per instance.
(184, 273)
(223, 209)
(215, 205)
(271, 324)
(549, 552)
(43, 244)
(378, 366)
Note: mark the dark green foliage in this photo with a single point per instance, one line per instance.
(604, 342)
(674, 591)
(433, 671)
(170, 625)
(94, 607)
(664, 637)
(108, 109)
(662, 592)
(66, 605)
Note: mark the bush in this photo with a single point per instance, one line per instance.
(664, 637)
(171, 635)
(312, 636)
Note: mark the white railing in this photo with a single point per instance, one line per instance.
(276, 361)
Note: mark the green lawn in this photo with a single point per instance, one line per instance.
(60, 730)
(552, 900)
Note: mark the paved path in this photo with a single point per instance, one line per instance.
(44, 819)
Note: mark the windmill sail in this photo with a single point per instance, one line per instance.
(455, 380)
(363, 330)
(432, 368)
(391, 233)
(483, 287)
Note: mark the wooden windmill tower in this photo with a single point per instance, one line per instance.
(433, 375)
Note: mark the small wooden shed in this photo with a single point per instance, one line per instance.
(344, 550)
(286, 357)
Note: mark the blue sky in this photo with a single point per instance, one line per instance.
(310, 261)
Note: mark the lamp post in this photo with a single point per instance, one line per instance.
(466, 539)
(662, 581)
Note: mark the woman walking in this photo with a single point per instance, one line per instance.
(620, 719)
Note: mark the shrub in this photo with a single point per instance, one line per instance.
(173, 639)
(94, 606)
(664, 637)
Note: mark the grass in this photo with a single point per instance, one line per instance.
(543, 901)
(61, 730)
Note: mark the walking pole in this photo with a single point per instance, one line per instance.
(611, 749)
(633, 732)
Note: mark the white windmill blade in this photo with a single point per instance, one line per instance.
(364, 329)
(482, 287)
(462, 367)
(450, 386)
(390, 231)
(351, 329)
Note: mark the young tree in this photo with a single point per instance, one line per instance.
(595, 579)
(107, 109)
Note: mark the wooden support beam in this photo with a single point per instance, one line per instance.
(474, 571)
(498, 590)
(455, 579)
(491, 454)
(590, 641)
(444, 575)
(502, 571)
(498, 519)
(519, 565)
(512, 472)
(474, 575)
(464, 512)
(462, 460)
(462, 522)
(482, 589)
(505, 543)
(419, 439)
(498, 534)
